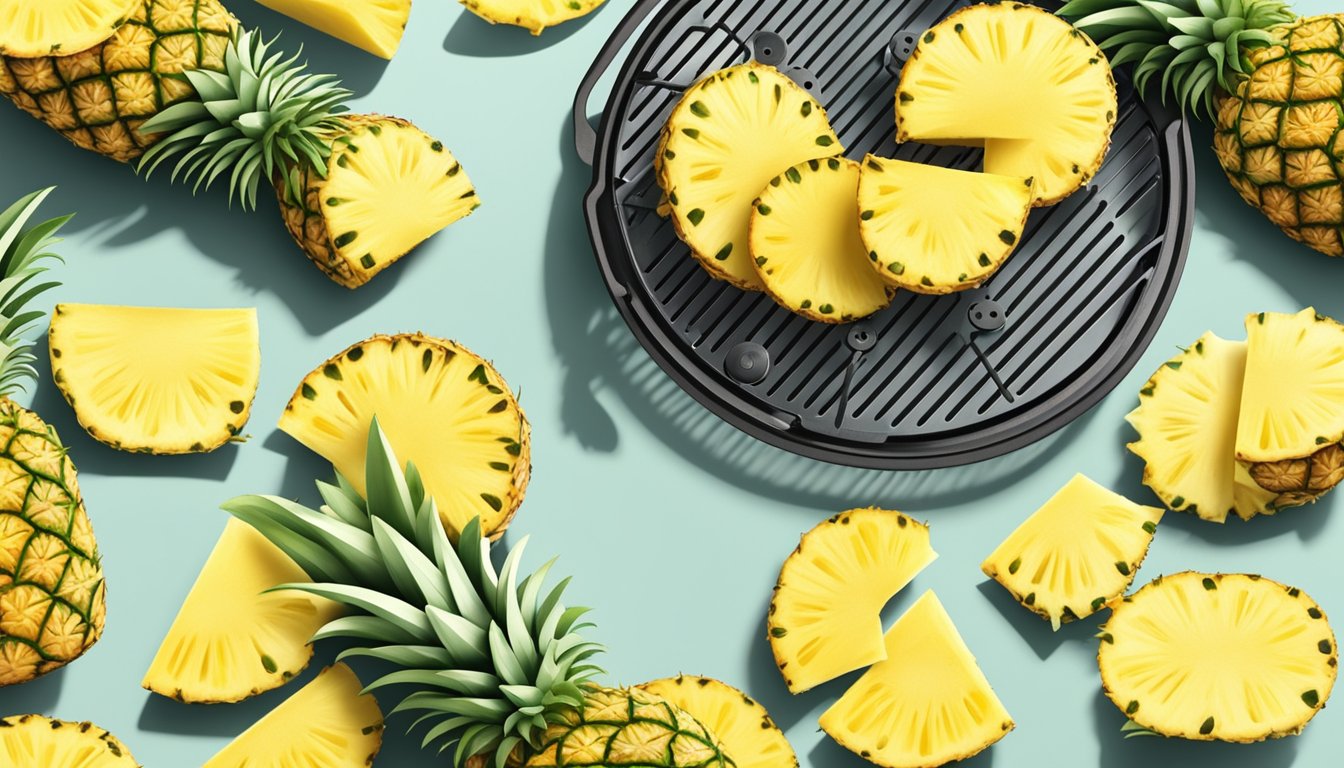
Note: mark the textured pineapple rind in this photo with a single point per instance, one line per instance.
(117, 754)
(769, 730)
(534, 22)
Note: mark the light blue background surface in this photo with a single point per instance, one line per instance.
(673, 524)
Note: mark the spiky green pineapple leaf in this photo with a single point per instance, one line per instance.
(24, 252)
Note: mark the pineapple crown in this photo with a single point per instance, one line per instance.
(1194, 45)
(23, 251)
(492, 657)
(264, 115)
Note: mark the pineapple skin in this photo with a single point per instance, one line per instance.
(98, 98)
(52, 591)
(1278, 137)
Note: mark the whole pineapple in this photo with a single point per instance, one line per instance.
(1274, 83)
(51, 580)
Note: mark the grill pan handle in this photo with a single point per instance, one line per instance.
(585, 138)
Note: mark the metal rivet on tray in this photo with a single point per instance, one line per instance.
(748, 363)
(987, 315)
(768, 48)
(861, 338)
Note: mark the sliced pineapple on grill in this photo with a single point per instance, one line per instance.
(375, 26)
(33, 28)
(532, 15)
(747, 732)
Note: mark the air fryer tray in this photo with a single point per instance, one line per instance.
(930, 381)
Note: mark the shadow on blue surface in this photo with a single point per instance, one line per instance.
(471, 35)
(35, 698)
(1119, 752)
(1034, 629)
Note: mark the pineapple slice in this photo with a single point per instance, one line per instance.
(1038, 92)
(1076, 553)
(806, 246)
(375, 26)
(328, 723)
(926, 705)
(743, 726)
(1187, 425)
(442, 407)
(937, 230)
(34, 741)
(825, 618)
(35, 28)
(151, 380)
(1292, 405)
(231, 639)
(532, 15)
(732, 133)
(1211, 656)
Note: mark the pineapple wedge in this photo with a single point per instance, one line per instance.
(805, 243)
(35, 28)
(34, 741)
(375, 26)
(1036, 92)
(532, 15)
(441, 406)
(730, 134)
(926, 705)
(1076, 553)
(231, 639)
(1292, 405)
(150, 380)
(746, 730)
(1187, 425)
(825, 618)
(328, 723)
(937, 230)
(1211, 656)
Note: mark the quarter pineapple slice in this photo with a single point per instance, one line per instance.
(1187, 425)
(1292, 405)
(806, 247)
(825, 618)
(232, 639)
(442, 407)
(926, 705)
(1038, 92)
(34, 741)
(1076, 553)
(1231, 657)
(730, 134)
(937, 230)
(745, 729)
(328, 723)
(151, 380)
(33, 28)
(532, 15)
(375, 26)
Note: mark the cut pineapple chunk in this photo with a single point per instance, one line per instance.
(1076, 554)
(328, 723)
(937, 230)
(34, 28)
(375, 26)
(825, 618)
(1292, 405)
(732, 133)
(806, 246)
(442, 407)
(532, 15)
(231, 639)
(745, 729)
(1212, 656)
(33, 741)
(926, 705)
(1037, 91)
(1187, 425)
(152, 380)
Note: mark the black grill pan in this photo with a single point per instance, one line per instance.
(931, 381)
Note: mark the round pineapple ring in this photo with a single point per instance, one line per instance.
(532, 15)
(1230, 657)
(747, 732)
(58, 743)
(33, 28)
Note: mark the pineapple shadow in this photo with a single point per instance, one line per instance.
(473, 36)
(1035, 630)
(1119, 752)
(38, 697)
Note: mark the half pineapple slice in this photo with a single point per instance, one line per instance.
(34, 741)
(825, 618)
(1039, 93)
(532, 15)
(442, 407)
(1187, 425)
(806, 247)
(328, 723)
(232, 639)
(1212, 656)
(743, 726)
(1292, 405)
(730, 134)
(926, 705)
(34, 28)
(375, 26)
(1076, 553)
(150, 380)
(938, 230)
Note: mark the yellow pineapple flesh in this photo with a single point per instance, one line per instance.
(747, 732)
(34, 741)
(32, 28)
(532, 15)
(375, 26)
(628, 727)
